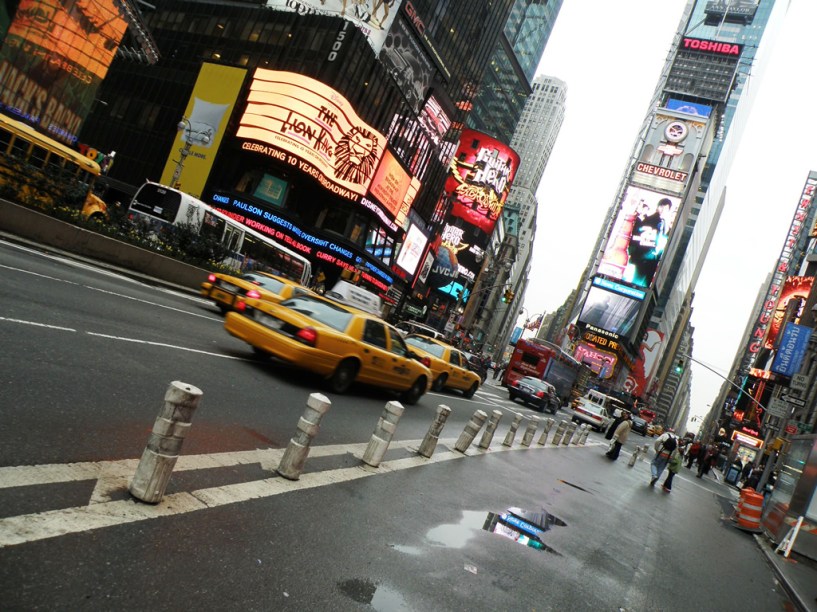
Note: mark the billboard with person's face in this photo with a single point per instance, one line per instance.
(609, 309)
(639, 236)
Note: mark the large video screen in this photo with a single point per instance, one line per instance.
(53, 59)
(640, 235)
(611, 311)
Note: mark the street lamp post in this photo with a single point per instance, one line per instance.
(201, 138)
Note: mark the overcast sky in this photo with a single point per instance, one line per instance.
(610, 54)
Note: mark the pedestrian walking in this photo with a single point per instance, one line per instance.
(692, 453)
(664, 445)
(676, 460)
(710, 458)
(619, 436)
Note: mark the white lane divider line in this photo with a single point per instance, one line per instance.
(35, 324)
(172, 346)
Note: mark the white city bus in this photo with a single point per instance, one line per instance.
(160, 205)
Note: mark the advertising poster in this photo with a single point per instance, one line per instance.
(53, 60)
(480, 179)
(303, 122)
(640, 235)
(205, 120)
(793, 297)
(792, 349)
(412, 250)
(407, 62)
(372, 17)
(645, 366)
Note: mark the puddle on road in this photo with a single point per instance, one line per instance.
(522, 526)
(378, 597)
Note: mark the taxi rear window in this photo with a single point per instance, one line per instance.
(427, 345)
(323, 312)
(270, 284)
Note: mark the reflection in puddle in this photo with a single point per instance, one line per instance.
(367, 592)
(523, 526)
(457, 536)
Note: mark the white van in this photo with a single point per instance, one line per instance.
(352, 295)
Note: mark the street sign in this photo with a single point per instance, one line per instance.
(778, 408)
(793, 400)
(799, 382)
(791, 428)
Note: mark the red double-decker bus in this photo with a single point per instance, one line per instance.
(546, 361)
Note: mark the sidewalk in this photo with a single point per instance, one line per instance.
(797, 573)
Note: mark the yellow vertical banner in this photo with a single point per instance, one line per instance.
(202, 127)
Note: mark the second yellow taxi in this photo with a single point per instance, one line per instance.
(448, 365)
(225, 290)
(341, 343)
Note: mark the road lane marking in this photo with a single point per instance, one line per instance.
(99, 513)
(172, 346)
(34, 323)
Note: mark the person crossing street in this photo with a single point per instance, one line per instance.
(664, 445)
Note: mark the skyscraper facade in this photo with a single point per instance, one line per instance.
(634, 301)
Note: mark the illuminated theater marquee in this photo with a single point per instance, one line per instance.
(309, 125)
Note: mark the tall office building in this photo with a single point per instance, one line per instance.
(507, 82)
(635, 298)
(534, 140)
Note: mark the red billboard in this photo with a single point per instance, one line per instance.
(792, 299)
(480, 179)
(53, 59)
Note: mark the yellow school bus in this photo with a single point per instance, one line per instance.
(37, 170)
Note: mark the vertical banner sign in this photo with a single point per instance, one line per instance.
(54, 57)
(792, 349)
(207, 114)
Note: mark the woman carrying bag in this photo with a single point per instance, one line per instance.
(676, 460)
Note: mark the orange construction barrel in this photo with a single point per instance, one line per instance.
(750, 510)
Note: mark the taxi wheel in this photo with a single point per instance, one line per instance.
(439, 383)
(470, 393)
(224, 309)
(415, 392)
(260, 353)
(343, 376)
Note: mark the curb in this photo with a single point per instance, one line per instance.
(776, 562)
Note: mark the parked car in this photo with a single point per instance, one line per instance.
(536, 392)
(639, 425)
(337, 341)
(226, 290)
(447, 364)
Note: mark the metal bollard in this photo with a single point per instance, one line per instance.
(159, 457)
(571, 429)
(490, 429)
(383, 432)
(292, 463)
(530, 431)
(634, 456)
(429, 443)
(560, 431)
(508, 441)
(471, 429)
(546, 430)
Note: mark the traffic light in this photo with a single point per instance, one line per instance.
(507, 296)
(679, 367)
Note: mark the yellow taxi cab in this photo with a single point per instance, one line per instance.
(448, 365)
(339, 342)
(653, 429)
(225, 290)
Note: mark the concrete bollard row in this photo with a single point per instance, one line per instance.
(383, 433)
(578, 435)
(530, 431)
(471, 429)
(294, 458)
(508, 441)
(169, 430)
(571, 429)
(560, 431)
(634, 456)
(490, 429)
(431, 438)
(584, 435)
(546, 430)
